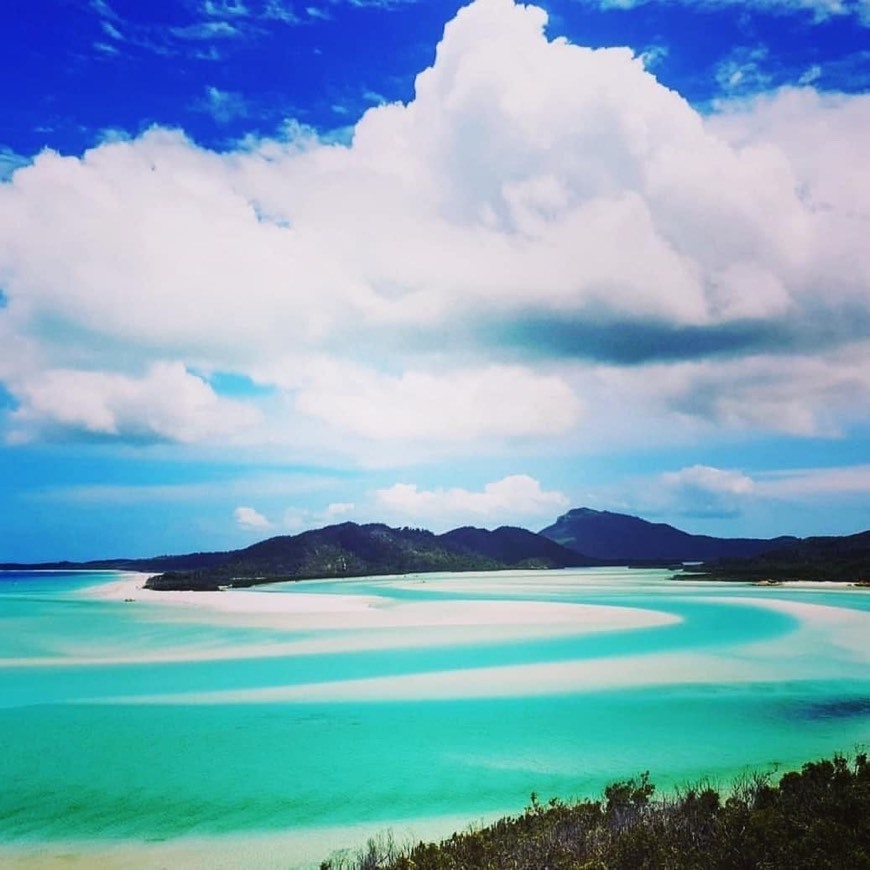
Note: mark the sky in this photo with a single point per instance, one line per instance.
(267, 266)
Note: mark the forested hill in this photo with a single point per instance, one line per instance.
(351, 550)
(580, 538)
(837, 559)
(622, 538)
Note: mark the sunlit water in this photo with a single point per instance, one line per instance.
(134, 723)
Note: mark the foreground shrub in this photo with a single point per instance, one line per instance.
(817, 818)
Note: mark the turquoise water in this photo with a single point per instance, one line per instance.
(145, 721)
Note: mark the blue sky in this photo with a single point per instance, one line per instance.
(266, 266)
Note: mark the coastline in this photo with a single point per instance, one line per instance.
(425, 622)
(303, 849)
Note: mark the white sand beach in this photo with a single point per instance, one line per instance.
(408, 622)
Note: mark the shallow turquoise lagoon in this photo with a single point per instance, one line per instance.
(382, 701)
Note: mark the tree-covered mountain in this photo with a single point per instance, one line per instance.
(580, 538)
(511, 545)
(351, 550)
(621, 538)
(835, 558)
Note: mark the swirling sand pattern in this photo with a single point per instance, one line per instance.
(307, 712)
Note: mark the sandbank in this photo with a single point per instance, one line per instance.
(532, 680)
(821, 625)
(295, 609)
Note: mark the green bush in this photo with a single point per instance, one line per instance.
(817, 818)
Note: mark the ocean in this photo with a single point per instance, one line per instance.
(276, 725)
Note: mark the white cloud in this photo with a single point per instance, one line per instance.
(168, 403)
(708, 479)
(706, 492)
(205, 30)
(495, 402)
(803, 395)
(225, 9)
(373, 283)
(111, 31)
(743, 71)
(248, 518)
(514, 499)
(280, 10)
(703, 490)
(697, 491)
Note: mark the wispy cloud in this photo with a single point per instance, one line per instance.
(223, 106)
(104, 10)
(111, 31)
(206, 30)
(743, 70)
(707, 492)
(818, 10)
(225, 9)
(279, 10)
(853, 480)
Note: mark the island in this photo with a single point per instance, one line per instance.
(832, 559)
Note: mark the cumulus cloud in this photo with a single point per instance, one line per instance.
(513, 499)
(251, 519)
(385, 286)
(167, 403)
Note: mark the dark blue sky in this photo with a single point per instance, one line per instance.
(79, 68)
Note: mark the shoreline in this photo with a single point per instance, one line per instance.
(302, 849)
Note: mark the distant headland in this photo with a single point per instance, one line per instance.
(582, 537)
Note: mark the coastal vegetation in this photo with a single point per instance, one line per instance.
(838, 559)
(816, 818)
(580, 538)
(351, 550)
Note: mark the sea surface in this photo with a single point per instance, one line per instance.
(294, 727)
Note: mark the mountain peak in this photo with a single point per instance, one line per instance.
(614, 537)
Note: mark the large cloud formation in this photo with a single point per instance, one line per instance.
(543, 226)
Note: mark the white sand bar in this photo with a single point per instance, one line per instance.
(320, 610)
(327, 622)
